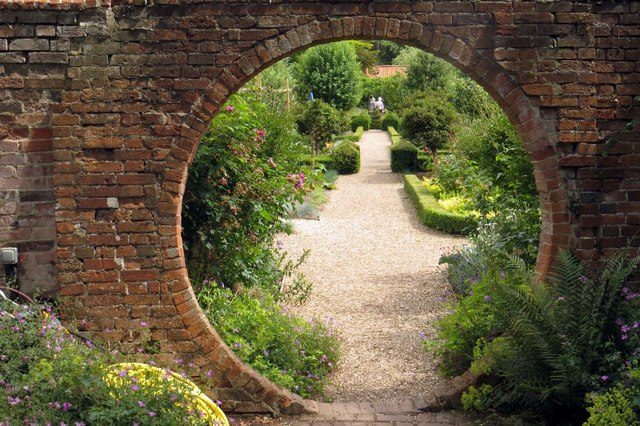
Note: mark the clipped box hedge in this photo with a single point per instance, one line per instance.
(346, 158)
(404, 155)
(432, 214)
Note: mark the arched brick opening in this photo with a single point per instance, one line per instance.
(103, 104)
(536, 135)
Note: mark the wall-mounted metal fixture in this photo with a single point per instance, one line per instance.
(8, 256)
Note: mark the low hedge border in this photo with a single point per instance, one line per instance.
(432, 214)
(353, 137)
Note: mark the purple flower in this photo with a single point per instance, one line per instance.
(209, 374)
(219, 403)
(237, 345)
(13, 401)
(144, 324)
(140, 404)
(230, 108)
(135, 388)
(604, 378)
(583, 279)
(122, 373)
(66, 406)
(487, 298)
(561, 299)
(152, 413)
(422, 335)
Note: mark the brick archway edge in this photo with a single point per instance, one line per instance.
(106, 104)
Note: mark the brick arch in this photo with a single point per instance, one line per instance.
(539, 143)
(102, 105)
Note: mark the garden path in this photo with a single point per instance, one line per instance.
(375, 273)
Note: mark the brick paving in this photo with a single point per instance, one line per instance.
(367, 413)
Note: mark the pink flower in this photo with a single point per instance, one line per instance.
(152, 413)
(122, 373)
(135, 388)
(260, 132)
(140, 404)
(230, 108)
(66, 406)
(144, 324)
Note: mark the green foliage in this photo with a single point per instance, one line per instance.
(488, 166)
(274, 85)
(390, 120)
(333, 73)
(432, 214)
(477, 399)
(612, 408)
(346, 158)
(285, 348)
(426, 72)
(320, 121)
(388, 51)
(569, 332)
(361, 120)
(365, 53)
(404, 155)
(49, 376)
(429, 122)
(471, 100)
(376, 119)
(407, 56)
(391, 89)
(468, 264)
(244, 176)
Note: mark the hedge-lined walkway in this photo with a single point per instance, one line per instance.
(375, 272)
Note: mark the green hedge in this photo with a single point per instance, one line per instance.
(391, 120)
(346, 158)
(362, 120)
(322, 159)
(433, 214)
(404, 155)
(353, 137)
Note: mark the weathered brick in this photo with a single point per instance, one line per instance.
(29, 44)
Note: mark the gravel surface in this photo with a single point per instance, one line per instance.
(375, 273)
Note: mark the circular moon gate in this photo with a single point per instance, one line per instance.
(112, 101)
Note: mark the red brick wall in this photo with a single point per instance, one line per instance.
(102, 108)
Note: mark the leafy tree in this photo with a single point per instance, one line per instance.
(470, 99)
(392, 89)
(320, 121)
(332, 72)
(426, 72)
(429, 123)
(388, 51)
(366, 54)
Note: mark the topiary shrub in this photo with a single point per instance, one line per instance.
(404, 155)
(320, 121)
(429, 123)
(362, 120)
(376, 119)
(390, 120)
(346, 158)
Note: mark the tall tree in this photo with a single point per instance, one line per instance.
(332, 72)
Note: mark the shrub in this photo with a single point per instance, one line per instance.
(472, 100)
(426, 72)
(362, 120)
(346, 158)
(49, 376)
(244, 176)
(320, 121)
(429, 123)
(376, 119)
(286, 349)
(612, 408)
(432, 214)
(404, 155)
(333, 73)
(390, 120)
(572, 333)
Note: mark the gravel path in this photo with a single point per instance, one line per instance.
(375, 272)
